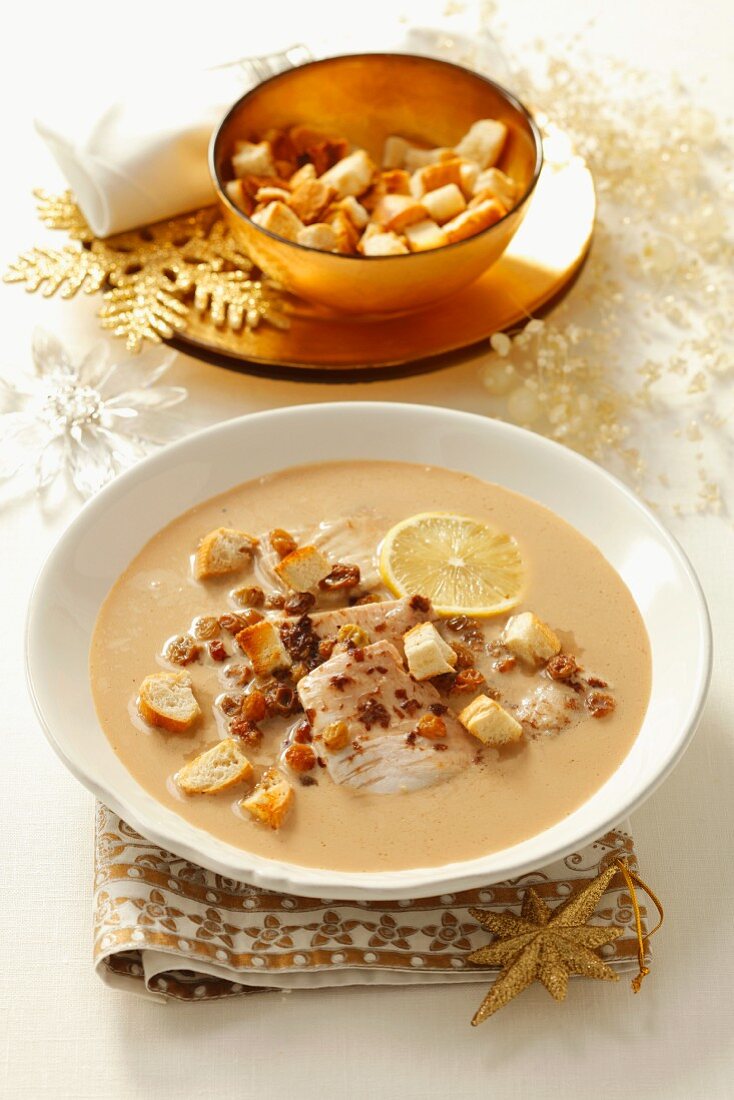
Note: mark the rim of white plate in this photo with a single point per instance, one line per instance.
(170, 831)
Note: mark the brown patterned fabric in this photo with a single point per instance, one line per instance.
(168, 928)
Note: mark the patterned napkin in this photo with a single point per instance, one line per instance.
(164, 927)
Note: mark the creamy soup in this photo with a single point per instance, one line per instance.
(490, 797)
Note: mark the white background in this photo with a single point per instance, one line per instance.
(62, 1033)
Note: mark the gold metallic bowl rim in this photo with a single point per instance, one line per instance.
(512, 99)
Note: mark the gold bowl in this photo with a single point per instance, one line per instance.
(366, 97)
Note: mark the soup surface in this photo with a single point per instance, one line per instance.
(498, 796)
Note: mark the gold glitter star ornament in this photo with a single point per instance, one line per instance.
(544, 944)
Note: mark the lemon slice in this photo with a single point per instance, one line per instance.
(464, 566)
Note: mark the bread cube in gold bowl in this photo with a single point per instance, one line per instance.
(376, 183)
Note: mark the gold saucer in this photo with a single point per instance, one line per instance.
(541, 262)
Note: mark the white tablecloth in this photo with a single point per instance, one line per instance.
(63, 1033)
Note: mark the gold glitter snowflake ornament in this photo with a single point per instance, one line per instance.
(152, 277)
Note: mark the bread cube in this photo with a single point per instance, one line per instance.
(279, 219)
(530, 639)
(271, 799)
(498, 185)
(272, 194)
(165, 699)
(303, 569)
(320, 235)
(350, 176)
(215, 770)
(469, 173)
(239, 196)
(395, 212)
(427, 653)
(354, 210)
(490, 723)
(425, 235)
(444, 203)
(393, 151)
(416, 158)
(261, 643)
(302, 175)
(483, 142)
(434, 176)
(347, 234)
(382, 244)
(473, 221)
(223, 551)
(310, 199)
(394, 182)
(253, 159)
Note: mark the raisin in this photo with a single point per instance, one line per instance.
(233, 622)
(301, 758)
(302, 734)
(275, 601)
(562, 667)
(341, 576)
(230, 704)
(246, 731)
(468, 630)
(282, 700)
(599, 704)
(308, 781)
(595, 682)
(181, 650)
(299, 603)
(301, 641)
(239, 674)
(468, 680)
(326, 648)
(505, 664)
(432, 727)
(254, 706)
(438, 708)
(249, 596)
(205, 627)
(217, 652)
(336, 736)
(282, 542)
(464, 656)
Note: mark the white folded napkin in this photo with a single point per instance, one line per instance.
(143, 159)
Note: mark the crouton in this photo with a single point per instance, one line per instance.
(303, 569)
(424, 235)
(383, 244)
(261, 643)
(253, 160)
(352, 175)
(444, 203)
(394, 212)
(280, 219)
(272, 194)
(310, 199)
(223, 551)
(416, 158)
(215, 770)
(320, 235)
(165, 699)
(240, 196)
(473, 221)
(354, 210)
(498, 185)
(434, 176)
(347, 234)
(469, 173)
(490, 723)
(395, 182)
(302, 175)
(483, 142)
(393, 151)
(427, 653)
(271, 799)
(528, 638)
